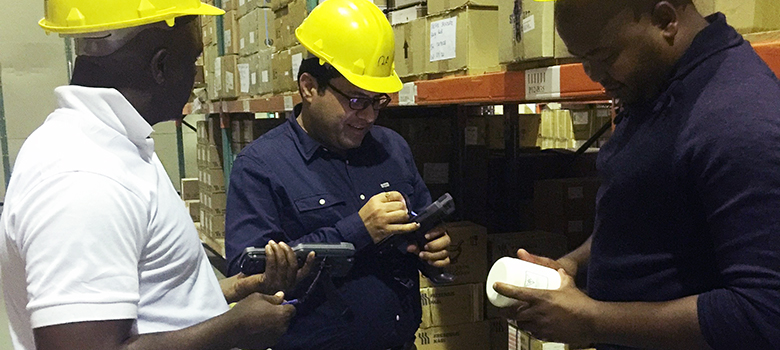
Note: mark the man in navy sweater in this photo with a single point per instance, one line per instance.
(685, 252)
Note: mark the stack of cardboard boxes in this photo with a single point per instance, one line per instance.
(453, 315)
(190, 194)
(289, 53)
(244, 131)
(211, 180)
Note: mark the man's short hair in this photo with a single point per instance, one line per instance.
(323, 73)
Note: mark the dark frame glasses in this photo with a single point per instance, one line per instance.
(361, 103)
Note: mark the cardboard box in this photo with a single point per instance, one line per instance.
(468, 253)
(526, 31)
(209, 29)
(566, 206)
(282, 68)
(542, 243)
(746, 16)
(211, 180)
(229, 73)
(400, 4)
(464, 39)
(449, 305)
(439, 6)
(297, 54)
(193, 207)
(245, 6)
(189, 188)
(468, 336)
(255, 73)
(231, 33)
(411, 53)
(257, 31)
(278, 4)
(244, 68)
(229, 5)
(214, 202)
(407, 15)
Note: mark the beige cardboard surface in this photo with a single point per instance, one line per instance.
(449, 305)
(462, 39)
(410, 48)
(747, 16)
(438, 6)
(468, 336)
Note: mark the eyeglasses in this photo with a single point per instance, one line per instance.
(361, 103)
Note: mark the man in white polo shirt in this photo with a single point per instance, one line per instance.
(97, 250)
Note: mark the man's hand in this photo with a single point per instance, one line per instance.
(568, 265)
(435, 251)
(386, 214)
(564, 315)
(281, 274)
(262, 319)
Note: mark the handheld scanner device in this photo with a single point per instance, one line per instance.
(337, 257)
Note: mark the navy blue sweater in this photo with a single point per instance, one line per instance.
(690, 201)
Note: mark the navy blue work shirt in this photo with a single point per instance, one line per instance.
(690, 196)
(285, 186)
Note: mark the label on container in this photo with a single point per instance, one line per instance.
(543, 83)
(443, 39)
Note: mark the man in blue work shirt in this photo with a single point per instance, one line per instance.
(685, 252)
(330, 175)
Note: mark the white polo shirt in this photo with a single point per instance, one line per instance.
(92, 228)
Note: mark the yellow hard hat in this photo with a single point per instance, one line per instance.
(89, 16)
(354, 37)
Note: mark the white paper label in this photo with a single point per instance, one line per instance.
(543, 83)
(241, 43)
(553, 346)
(254, 78)
(436, 173)
(535, 280)
(228, 39)
(251, 37)
(529, 24)
(296, 65)
(288, 103)
(264, 76)
(218, 74)
(408, 95)
(229, 86)
(196, 105)
(245, 104)
(241, 2)
(443, 39)
(580, 118)
(243, 77)
(471, 134)
(603, 113)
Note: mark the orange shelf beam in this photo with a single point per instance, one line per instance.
(575, 84)
(770, 53)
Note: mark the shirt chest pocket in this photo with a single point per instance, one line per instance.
(320, 210)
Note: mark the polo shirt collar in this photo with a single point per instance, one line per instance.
(112, 108)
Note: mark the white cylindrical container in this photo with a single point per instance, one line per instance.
(519, 273)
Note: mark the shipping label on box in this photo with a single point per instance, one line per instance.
(448, 305)
(261, 73)
(461, 40)
(257, 31)
(468, 253)
(297, 54)
(467, 336)
(526, 31)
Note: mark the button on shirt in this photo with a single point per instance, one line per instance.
(287, 187)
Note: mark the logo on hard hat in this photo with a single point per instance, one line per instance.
(383, 60)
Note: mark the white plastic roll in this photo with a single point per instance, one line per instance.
(519, 273)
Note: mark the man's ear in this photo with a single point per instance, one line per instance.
(158, 65)
(308, 87)
(666, 18)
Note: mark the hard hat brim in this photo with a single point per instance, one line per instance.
(203, 9)
(386, 85)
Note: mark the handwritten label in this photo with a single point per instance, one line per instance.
(443, 39)
(296, 65)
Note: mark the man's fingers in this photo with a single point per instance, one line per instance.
(434, 256)
(438, 244)
(307, 266)
(393, 196)
(527, 295)
(275, 299)
(292, 263)
(270, 260)
(436, 232)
